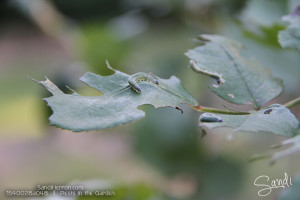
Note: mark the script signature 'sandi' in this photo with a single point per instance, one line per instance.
(266, 185)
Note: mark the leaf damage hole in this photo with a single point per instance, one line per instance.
(231, 95)
(177, 108)
(216, 76)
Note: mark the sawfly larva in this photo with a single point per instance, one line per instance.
(209, 117)
(134, 79)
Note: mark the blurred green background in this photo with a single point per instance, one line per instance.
(162, 156)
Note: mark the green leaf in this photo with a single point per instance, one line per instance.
(275, 119)
(266, 35)
(239, 80)
(117, 106)
(290, 37)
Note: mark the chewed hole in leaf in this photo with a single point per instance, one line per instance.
(214, 75)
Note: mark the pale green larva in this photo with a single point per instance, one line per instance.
(210, 117)
(138, 77)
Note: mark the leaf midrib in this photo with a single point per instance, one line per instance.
(128, 87)
(240, 74)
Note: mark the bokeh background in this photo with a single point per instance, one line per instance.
(162, 156)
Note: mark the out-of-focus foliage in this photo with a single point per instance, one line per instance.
(255, 12)
(292, 192)
(174, 147)
(99, 43)
(260, 25)
(136, 192)
(291, 36)
(267, 36)
(89, 10)
(294, 148)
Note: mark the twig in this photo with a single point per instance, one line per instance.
(216, 110)
(292, 103)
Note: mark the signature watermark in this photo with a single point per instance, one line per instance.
(266, 185)
(58, 190)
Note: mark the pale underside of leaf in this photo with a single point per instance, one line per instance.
(119, 104)
(275, 119)
(239, 80)
(290, 37)
(294, 148)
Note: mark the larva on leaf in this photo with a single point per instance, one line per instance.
(209, 117)
(134, 79)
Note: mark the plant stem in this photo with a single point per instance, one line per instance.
(292, 103)
(216, 110)
(200, 108)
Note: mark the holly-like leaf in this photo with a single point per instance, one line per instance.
(290, 37)
(275, 119)
(239, 80)
(118, 104)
